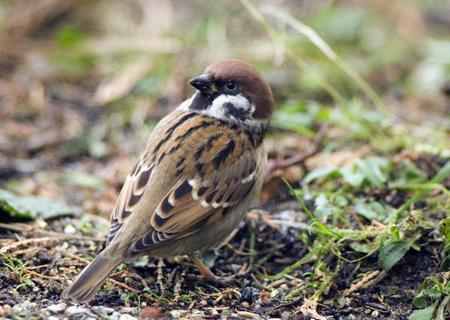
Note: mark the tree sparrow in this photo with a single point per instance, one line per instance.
(195, 179)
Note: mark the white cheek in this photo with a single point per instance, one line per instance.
(218, 107)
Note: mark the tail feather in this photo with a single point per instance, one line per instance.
(90, 280)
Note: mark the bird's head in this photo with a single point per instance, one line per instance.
(232, 91)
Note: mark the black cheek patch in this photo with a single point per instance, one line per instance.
(235, 112)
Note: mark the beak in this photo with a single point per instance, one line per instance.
(204, 83)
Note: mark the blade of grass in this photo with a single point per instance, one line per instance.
(307, 258)
(439, 178)
(299, 61)
(323, 228)
(314, 37)
(421, 186)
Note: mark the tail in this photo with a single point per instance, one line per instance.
(90, 280)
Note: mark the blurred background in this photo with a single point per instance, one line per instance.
(83, 82)
(88, 79)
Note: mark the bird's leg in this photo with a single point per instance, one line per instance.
(204, 270)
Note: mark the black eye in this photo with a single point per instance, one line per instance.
(231, 87)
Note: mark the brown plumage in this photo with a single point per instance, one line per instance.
(196, 177)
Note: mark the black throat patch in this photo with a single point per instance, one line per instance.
(201, 101)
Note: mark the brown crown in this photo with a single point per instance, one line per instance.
(251, 82)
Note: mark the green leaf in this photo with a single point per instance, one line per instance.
(324, 208)
(423, 314)
(321, 173)
(393, 252)
(372, 168)
(33, 207)
(352, 175)
(440, 177)
(363, 247)
(441, 309)
(371, 211)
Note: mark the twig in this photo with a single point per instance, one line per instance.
(364, 282)
(177, 287)
(123, 285)
(160, 276)
(143, 282)
(248, 315)
(42, 242)
(316, 147)
(47, 234)
(44, 277)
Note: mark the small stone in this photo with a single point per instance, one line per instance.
(151, 313)
(177, 314)
(56, 308)
(5, 310)
(70, 229)
(284, 287)
(103, 310)
(248, 294)
(124, 310)
(285, 315)
(75, 312)
(53, 318)
(245, 304)
(127, 317)
(265, 297)
(115, 316)
(26, 306)
(375, 313)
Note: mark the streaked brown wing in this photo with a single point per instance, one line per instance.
(193, 171)
(219, 170)
(136, 182)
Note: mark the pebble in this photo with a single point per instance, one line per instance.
(115, 316)
(151, 313)
(26, 306)
(128, 310)
(127, 317)
(248, 294)
(70, 229)
(103, 310)
(285, 315)
(5, 310)
(53, 318)
(75, 312)
(56, 308)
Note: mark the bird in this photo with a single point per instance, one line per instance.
(200, 170)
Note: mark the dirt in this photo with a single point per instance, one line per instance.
(174, 285)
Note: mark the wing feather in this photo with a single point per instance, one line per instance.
(213, 167)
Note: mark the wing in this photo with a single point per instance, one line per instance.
(196, 202)
(136, 182)
(195, 172)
